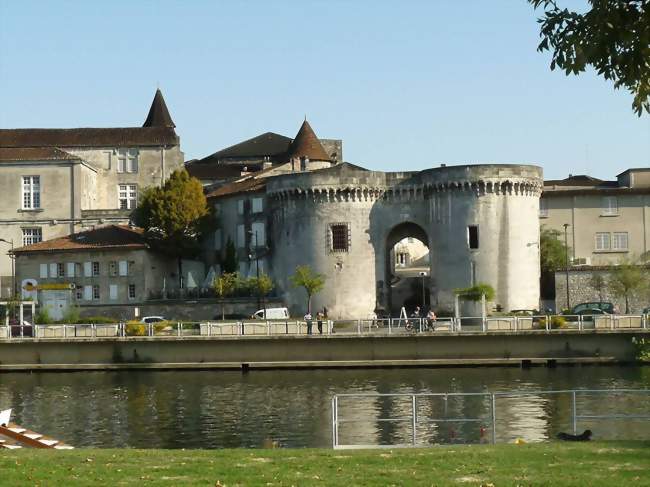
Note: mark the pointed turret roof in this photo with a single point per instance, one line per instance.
(306, 144)
(158, 114)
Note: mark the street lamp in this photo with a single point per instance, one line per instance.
(260, 298)
(566, 265)
(423, 275)
(13, 266)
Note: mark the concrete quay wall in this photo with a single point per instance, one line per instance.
(317, 351)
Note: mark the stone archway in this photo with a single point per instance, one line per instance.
(395, 235)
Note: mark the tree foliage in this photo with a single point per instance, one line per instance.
(475, 293)
(628, 279)
(174, 216)
(613, 37)
(262, 286)
(599, 284)
(230, 259)
(311, 281)
(552, 251)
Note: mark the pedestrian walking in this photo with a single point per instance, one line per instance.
(308, 319)
(431, 320)
(319, 323)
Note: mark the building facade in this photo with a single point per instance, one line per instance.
(55, 182)
(344, 222)
(607, 220)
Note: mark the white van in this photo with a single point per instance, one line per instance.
(272, 314)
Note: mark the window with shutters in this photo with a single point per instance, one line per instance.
(71, 269)
(95, 269)
(112, 291)
(339, 237)
(131, 291)
(112, 268)
(96, 292)
(124, 268)
(60, 270)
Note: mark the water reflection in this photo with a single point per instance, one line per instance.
(215, 409)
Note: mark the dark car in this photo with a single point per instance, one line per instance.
(599, 307)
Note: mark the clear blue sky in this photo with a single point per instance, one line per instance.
(407, 85)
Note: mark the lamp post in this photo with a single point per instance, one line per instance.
(13, 266)
(260, 298)
(566, 265)
(423, 275)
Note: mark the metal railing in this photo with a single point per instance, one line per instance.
(416, 419)
(361, 327)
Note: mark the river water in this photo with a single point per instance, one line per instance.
(218, 409)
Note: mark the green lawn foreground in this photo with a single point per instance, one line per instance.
(615, 464)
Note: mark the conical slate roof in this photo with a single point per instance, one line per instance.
(306, 144)
(158, 114)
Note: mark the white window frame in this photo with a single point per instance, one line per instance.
(88, 269)
(123, 268)
(43, 271)
(71, 269)
(32, 235)
(31, 192)
(96, 295)
(127, 196)
(88, 293)
(96, 268)
(241, 236)
(616, 241)
(127, 161)
(257, 205)
(609, 206)
(53, 269)
(602, 241)
(260, 228)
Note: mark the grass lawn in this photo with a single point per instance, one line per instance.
(616, 464)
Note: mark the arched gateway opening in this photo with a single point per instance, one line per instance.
(407, 268)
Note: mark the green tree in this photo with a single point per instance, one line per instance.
(626, 280)
(230, 259)
(223, 286)
(174, 216)
(552, 251)
(475, 293)
(311, 281)
(599, 284)
(262, 286)
(613, 37)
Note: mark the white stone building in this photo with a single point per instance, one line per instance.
(54, 182)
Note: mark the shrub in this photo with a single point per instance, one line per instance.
(135, 328)
(71, 315)
(556, 322)
(98, 320)
(641, 349)
(43, 317)
(474, 293)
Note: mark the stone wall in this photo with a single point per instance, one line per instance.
(581, 290)
(196, 310)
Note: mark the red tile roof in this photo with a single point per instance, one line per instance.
(9, 154)
(306, 144)
(245, 186)
(102, 238)
(89, 137)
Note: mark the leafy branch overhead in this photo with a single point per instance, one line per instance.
(613, 37)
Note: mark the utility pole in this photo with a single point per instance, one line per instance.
(423, 275)
(260, 298)
(566, 264)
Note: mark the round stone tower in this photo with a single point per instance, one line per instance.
(480, 223)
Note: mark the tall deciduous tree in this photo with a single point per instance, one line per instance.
(311, 281)
(599, 284)
(552, 251)
(174, 216)
(628, 279)
(613, 37)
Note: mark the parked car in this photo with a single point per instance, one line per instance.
(272, 314)
(152, 319)
(583, 308)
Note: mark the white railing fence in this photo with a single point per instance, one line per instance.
(361, 327)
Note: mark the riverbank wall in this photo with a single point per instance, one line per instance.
(450, 349)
